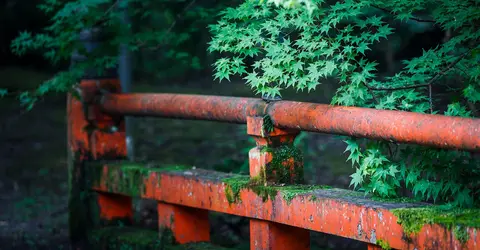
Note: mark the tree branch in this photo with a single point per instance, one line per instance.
(371, 93)
(179, 17)
(400, 88)
(411, 18)
(446, 69)
(430, 99)
(431, 81)
(107, 11)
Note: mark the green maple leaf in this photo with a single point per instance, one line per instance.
(357, 78)
(384, 31)
(298, 66)
(330, 66)
(381, 188)
(393, 170)
(412, 177)
(354, 149)
(357, 178)
(252, 79)
(311, 85)
(325, 28)
(348, 49)
(421, 187)
(362, 47)
(463, 198)
(374, 20)
(471, 93)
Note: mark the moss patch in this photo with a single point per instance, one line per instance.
(383, 244)
(278, 170)
(413, 219)
(395, 200)
(236, 184)
(461, 234)
(128, 177)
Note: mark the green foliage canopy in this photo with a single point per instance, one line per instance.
(161, 28)
(301, 47)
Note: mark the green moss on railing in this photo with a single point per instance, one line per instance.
(238, 183)
(413, 219)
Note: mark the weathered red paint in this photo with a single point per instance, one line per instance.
(185, 198)
(114, 206)
(276, 137)
(98, 145)
(404, 127)
(84, 145)
(187, 224)
(259, 160)
(332, 211)
(215, 108)
(266, 235)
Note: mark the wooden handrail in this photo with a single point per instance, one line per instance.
(278, 220)
(404, 127)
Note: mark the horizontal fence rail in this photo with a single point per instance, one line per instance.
(404, 127)
(211, 108)
(329, 210)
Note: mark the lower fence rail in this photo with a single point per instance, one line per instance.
(283, 215)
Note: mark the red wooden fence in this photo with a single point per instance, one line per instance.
(281, 217)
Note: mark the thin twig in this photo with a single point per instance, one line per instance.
(390, 150)
(430, 97)
(396, 150)
(371, 93)
(400, 88)
(432, 80)
(446, 69)
(189, 5)
(172, 25)
(110, 9)
(411, 18)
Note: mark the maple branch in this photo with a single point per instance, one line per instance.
(400, 88)
(169, 30)
(432, 80)
(371, 93)
(109, 9)
(430, 98)
(179, 15)
(390, 150)
(411, 18)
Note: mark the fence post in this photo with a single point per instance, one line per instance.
(92, 135)
(125, 75)
(187, 224)
(275, 160)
